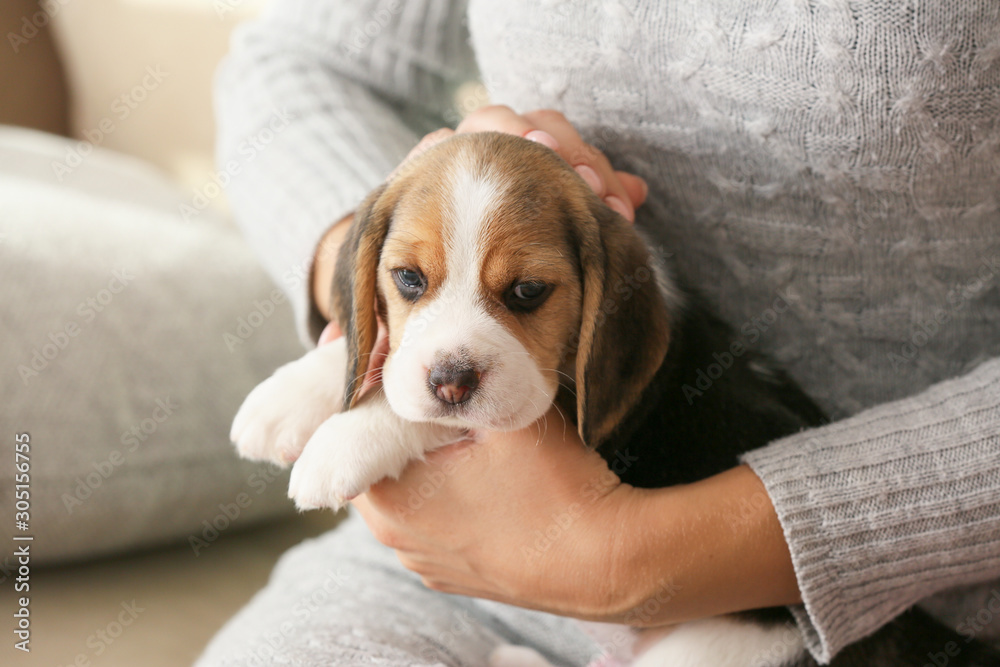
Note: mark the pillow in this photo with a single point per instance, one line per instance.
(130, 338)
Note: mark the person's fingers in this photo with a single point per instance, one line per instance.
(331, 332)
(621, 191)
(552, 129)
(571, 145)
(594, 180)
(635, 187)
(389, 493)
(457, 451)
(428, 141)
(589, 162)
(384, 529)
(363, 505)
(442, 569)
(495, 118)
(499, 118)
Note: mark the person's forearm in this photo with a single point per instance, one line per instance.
(569, 539)
(336, 120)
(704, 549)
(889, 506)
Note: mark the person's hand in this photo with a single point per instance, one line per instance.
(621, 191)
(533, 518)
(523, 518)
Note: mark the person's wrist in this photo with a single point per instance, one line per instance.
(610, 549)
(642, 554)
(703, 549)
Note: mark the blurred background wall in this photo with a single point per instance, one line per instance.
(69, 64)
(133, 77)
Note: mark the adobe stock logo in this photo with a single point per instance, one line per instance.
(88, 483)
(247, 325)
(58, 340)
(962, 295)
(362, 36)
(751, 332)
(121, 109)
(30, 26)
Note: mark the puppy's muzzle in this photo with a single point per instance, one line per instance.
(452, 382)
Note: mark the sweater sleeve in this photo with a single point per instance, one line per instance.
(889, 506)
(316, 103)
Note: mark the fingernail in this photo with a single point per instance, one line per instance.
(592, 177)
(544, 138)
(645, 187)
(618, 206)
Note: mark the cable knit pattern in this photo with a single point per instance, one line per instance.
(882, 509)
(841, 156)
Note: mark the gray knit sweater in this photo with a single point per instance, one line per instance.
(838, 156)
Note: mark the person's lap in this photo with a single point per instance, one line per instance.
(344, 599)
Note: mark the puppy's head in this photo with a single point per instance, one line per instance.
(501, 277)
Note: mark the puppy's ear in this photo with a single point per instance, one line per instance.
(354, 294)
(624, 329)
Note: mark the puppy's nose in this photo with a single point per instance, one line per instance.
(452, 384)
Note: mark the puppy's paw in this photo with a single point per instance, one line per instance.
(334, 466)
(351, 451)
(280, 415)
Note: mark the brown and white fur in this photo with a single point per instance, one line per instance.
(506, 287)
(476, 216)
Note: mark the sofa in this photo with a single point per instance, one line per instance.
(131, 331)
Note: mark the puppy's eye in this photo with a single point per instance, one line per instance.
(410, 283)
(529, 291)
(525, 297)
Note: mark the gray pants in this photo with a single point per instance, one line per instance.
(344, 599)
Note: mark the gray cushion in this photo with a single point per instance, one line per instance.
(130, 337)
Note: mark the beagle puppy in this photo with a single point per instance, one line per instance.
(507, 286)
